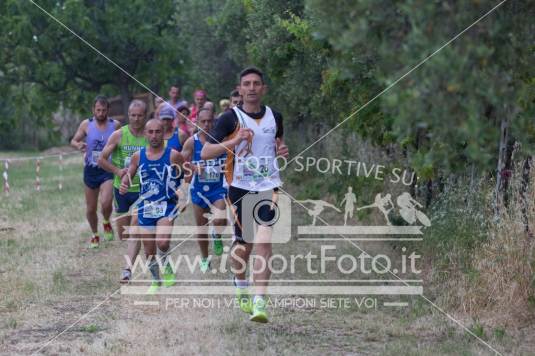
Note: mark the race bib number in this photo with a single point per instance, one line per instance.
(254, 169)
(210, 174)
(95, 155)
(154, 210)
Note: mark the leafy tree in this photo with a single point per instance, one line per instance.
(212, 33)
(449, 110)
(139, 36)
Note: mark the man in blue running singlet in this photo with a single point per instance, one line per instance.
(157, 166)
(90, 138)
(207, 187)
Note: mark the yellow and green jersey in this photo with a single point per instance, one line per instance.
(122, 154)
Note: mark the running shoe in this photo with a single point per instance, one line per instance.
(218, 244)
(126, 276)
(259, 311)
(244, 300)
(205, 265)
(169, 278)
(95, 241)
(108, 231)
(154, 287)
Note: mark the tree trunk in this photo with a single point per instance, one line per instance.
(440, 183)
(508, 170)
(429, 193)
(501, 164)
(526, 172)
(415, 182)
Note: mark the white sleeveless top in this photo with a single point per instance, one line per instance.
(256, 169)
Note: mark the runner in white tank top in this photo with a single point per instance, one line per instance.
(251, 135)
(255, 167)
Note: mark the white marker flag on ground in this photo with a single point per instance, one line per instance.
(60, 184)
(6, 181)
(37, 175)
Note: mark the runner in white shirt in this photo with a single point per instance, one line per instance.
(253, 133)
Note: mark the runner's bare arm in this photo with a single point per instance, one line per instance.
(132, 170)
(182, 137)
(103, 161)
(282, 149)
(187, 149)
(183, 192)
(117, 124)
(187, 153)
(213, 150)
(177, 158)
(77, 140)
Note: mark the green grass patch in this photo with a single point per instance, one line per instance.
(91, 328)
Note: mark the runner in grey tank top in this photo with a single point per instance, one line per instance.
(90, 138)
(95, 140)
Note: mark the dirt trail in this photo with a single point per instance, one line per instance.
(51, 279)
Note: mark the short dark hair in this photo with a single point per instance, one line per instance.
(251, 70)
(101, 99)
(176, 85)
(234, 93)
(183, 107)
(205, 109)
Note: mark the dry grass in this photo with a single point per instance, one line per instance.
(50, 279)
(503, 291)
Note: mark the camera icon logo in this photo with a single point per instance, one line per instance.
(267, 208)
